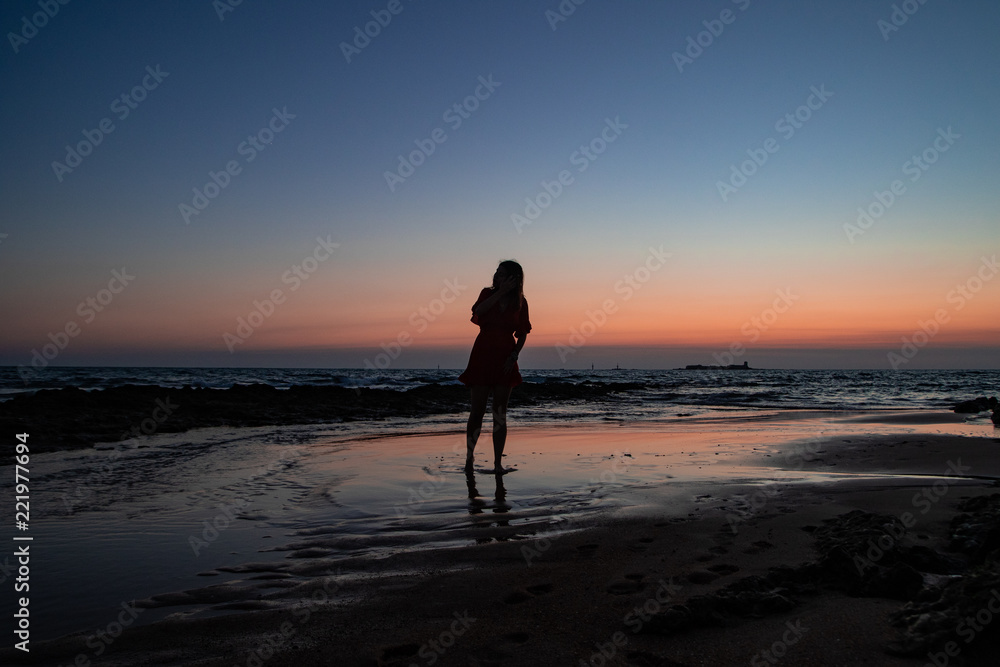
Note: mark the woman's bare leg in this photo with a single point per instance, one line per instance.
(480, 394)
(500, 395)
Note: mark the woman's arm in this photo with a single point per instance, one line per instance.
(508, 364)
(487, 303)
(498, 293)
(519, 343)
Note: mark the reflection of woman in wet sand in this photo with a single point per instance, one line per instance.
(477, 504)
(501, 312)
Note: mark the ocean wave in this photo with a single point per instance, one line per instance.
(792, 389)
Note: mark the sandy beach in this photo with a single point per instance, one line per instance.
(726, 539)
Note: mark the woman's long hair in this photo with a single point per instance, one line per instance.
(515, 297)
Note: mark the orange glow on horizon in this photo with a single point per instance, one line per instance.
(708, 313)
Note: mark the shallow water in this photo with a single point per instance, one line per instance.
(181, 512)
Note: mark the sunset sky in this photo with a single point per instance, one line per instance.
(681, 181)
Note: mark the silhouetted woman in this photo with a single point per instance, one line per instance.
(501, 312)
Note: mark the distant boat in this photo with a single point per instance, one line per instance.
(731, 367)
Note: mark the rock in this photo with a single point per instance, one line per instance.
(899, 582)
(702, 577)
(70, 418)
(996, 417)
(980, 404)
(976, 531)
(670, 621)
(928, 624)
(943, 612)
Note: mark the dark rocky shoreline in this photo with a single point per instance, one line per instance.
(71, 418)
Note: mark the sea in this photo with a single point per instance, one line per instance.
(667, 390)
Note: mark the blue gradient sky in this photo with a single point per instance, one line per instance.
(655, 186)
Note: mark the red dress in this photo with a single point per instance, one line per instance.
(494, 343)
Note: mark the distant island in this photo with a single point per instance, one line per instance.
(731, 367)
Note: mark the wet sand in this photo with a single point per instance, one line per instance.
(380, 551)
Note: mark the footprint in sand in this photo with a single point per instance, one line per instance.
(758, 546)
(702, 577)
(516, 638)
(488, 656)
(398, 655)
(724, 568)
(517, 597)
(643, 659)
(521, 594)
(624, 587)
